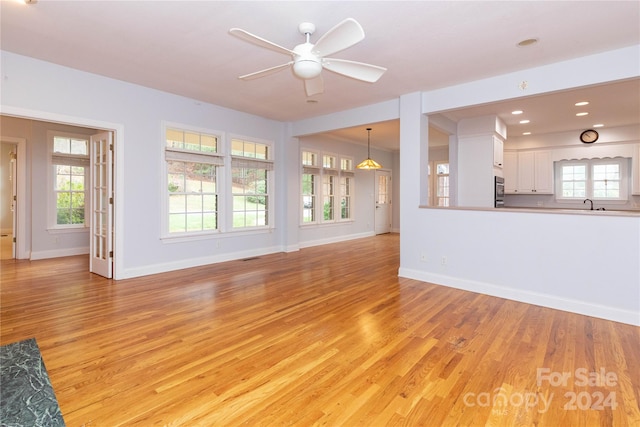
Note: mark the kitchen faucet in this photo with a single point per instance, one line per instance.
(585, 201)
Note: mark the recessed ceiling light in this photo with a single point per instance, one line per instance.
(581, 103)
(526, 133)
(524, 122)
(599, 125)
(584, 113)
(516, 112)
(527, 42)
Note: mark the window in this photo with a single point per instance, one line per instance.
(442, 184)
(574, 180)
(310, 177)
(346, 190)
(439, 187)
(328, 197)
(597, 179)
(192, 160)
(329, 176)
(70, 169)
(327, 188)
(251, 167)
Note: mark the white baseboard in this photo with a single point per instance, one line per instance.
(214, 259)
(335, 239)
(57, 253)
(292, 248)
(529, 297)
(194, 262)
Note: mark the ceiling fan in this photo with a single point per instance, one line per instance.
(309, 59)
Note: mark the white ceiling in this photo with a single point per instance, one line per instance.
(184, 47)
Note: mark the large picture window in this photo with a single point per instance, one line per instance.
(70, 168)
(251, 167)
(192, 160)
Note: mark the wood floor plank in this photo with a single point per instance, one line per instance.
(327, 336)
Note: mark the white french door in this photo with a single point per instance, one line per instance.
(101, 245)
(14, 201)
(383, 202)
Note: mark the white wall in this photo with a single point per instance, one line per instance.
(581, 263)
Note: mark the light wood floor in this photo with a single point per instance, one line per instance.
(324, 336)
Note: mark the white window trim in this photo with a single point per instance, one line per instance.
(164, 182)
(624, 181)
(52, 223)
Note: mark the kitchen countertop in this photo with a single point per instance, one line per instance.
(563, 211)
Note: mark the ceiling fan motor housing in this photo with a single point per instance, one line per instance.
(306, 64)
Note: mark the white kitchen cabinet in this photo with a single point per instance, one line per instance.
(498, 152)
(635, 171)
(510, 172)
(535, 173)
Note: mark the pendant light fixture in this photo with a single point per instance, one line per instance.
(369, 163)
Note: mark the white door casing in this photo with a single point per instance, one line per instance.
(101, 221)
(14, 201)
(383, 202)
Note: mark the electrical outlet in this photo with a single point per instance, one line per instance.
(423, 257)
(444, 260)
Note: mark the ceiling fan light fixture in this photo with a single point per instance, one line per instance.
(369, 163)
(307, 68)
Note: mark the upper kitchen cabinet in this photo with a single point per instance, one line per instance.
(528, 172)
(498, 152)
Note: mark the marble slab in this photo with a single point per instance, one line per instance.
(26, 394)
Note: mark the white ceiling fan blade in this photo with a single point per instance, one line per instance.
(265, 72)
(356, 70)
(344, 35)
(259, 41)
(314, 86)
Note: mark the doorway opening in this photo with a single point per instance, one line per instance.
(39, 234)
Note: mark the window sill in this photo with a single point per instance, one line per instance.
(213, 235)
(68, 230)
(327, 224)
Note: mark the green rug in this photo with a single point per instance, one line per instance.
(26, 394)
